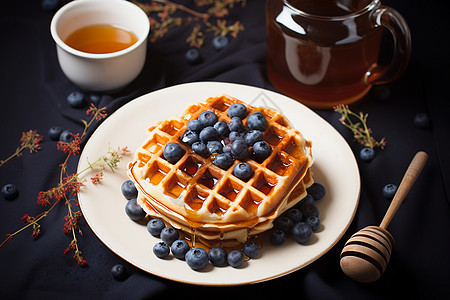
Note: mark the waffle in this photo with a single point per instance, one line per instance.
(211, 204)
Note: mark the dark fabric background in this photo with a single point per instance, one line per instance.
(33, 93)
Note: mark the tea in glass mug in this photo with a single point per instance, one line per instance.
(325, 52)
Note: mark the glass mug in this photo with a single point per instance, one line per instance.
(325, 52)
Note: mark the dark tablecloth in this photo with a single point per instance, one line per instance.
(33, 93)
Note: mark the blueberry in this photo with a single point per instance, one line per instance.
(243, 171)
(283, 223)
(237, 110)
(227, 149)
(169, 235)
(10, 192)
(236, 124)
(193, 56)
(154, 226)
(219, 42)
(179, 248)
(422, 120)
(50, 5)
(253, 136)
(208, 134)
(208, 118)
(309, 210)
(118, 272)
(172, 152)
(161, 250)
(222, 128)
(239, 149)
(277, 237)
(251, 249)
(189, 137)
(77, 99)
(317, 191)
(261, 150)
(313, 222)
(389, 191)
(128, 189)
(223, 161)
(95, 99)
(134, 211)
(195, 125)
(235, 258)
(294, 214)
(307, 200)
(257, 121)
(367, 154)
(301, 232)
(218, 256)
(54, 133)
(214, 147)
(66, 136)
(197, 258)
(234, 135)
(199, 147)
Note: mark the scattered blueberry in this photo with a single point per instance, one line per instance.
(422, 120)
(154, 226)
(239, 149)
(301, 232)
(161, 250)
(189, 137)
(179, 249)
(128, 189)
(66, 136)
(283, 223)
(294, 214)
(253, 136)
(54, 133)
(95, 99)
(208, 134)
(367, 154)
(169, 235)
(195, 125)
(237, 110)
(309, 210)
(219, 42)
(197, 258)
(251, 249)
(172, 152)
(50, 5)
(313, 222)
(10, 192)
(222, 128)
(277, 237)
(214, 147)
(261, 150)
(223, 161)
(236, 124)
(317, 191)
(208, 118)
(118, 272)
(199, 148)
(257, 121)
(76, 99)
(193, 56)
(235, 258)
(134, 211)
(218, 256)
(389, 191)
(243, 171)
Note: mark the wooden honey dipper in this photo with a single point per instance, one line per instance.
(366, 254)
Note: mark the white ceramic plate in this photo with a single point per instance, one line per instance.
(103, 205)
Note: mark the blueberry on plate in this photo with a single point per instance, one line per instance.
(197, 258)
(294, 214)
(309, 210)
(161, 250)
(313, 222)
(219, 42)
(257, 121)
(128, 189)
(154, 226)
(118, 272)
(317, 191)
(179, 249)
(208, 134)
(243, 171)
(277, 237)
(301, 232)
(239, 149)
(389, 191)
(253, 136)
(223, 161)
(235, 258)
(262, 150)
(172, 152)
(283, 223)
(237, 110)
(214, 147)
(54, 133)
(134, 210)
(222, 128)
(66, 136)
(77, 99)
(10, 192)
(218, 256)
(195, 125)
(193, 56)
(189, 137)
(208, 118)
(367, 154)
(251, 249)
(236, 124)
(169, 235)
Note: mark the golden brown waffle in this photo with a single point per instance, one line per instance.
(212, 204)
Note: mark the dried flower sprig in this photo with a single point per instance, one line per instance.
(361, 132)
(164, 15)
(30, 140)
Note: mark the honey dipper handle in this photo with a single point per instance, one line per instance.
(413, 171)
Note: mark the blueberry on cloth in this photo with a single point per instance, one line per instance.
(301, 232)
(134, 211)
(214, 147)
(422, 120)
(223, 161)
(313, 222)
(76, 99)
(169, 235)
(193, 56)
(189, 137)
(118, 272)
(257, 121)
(95, 99)
(195, 125)
(239, 149)
(208, 134)
(197, 258)
(218, 256)
(317, 191)
(277, 237)
(243, 171)
(222, 128)
(251, 249)
(237, 110)
(54, 133)
(219, 42)
(161, 250)
(236, 124)
(154, 226)
(208, 118)
(199, 147)
(235, 258)
(262, 150)
(172, 152)
(253, 136)
(66, 136)
(179, 249)
(50, 5)
(128, 189)
(367, 154)
(10, 192)
(389, 191)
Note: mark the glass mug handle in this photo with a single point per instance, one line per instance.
(397, 26)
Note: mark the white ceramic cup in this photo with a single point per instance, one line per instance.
(101, 72)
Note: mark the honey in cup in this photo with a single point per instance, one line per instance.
(324, 52)
(100, 39)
